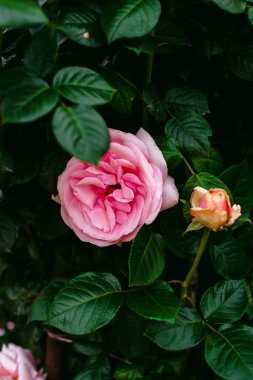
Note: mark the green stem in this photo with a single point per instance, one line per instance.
(149, 70)
(195, 264)
(188, 166)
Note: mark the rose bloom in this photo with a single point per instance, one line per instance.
(212, 209)
(17, 363)
(108, 204)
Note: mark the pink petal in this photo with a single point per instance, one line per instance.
(170, 194)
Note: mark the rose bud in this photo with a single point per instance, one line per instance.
(108, 204)
(18, 363)
(212, 209)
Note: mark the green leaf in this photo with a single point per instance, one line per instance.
(130, 336)
(7, 233)
(140, 45)
(86, 303)
(229, 259)
(29, 101)
(125, 92)
(186, 332)
(97, 369)
(170, 149)
(40, 54)
(77, 23)
(16, 13)
(77, 130)
(229, 352)
(157, 301)
(41, 306)
(154, 104)
(232, 6)
(181, 244)
(82, 85)
(240, 61)
(211, 163)
(225, 302)
(130, 18)
(126, 371)
(9, 79)
(183, 98)
(146, 260)
(191, 130)
(240, 182)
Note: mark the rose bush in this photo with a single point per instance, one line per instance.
(108, 204)
(212, 208)
(17, 363)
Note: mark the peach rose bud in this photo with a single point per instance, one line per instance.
(212, 209)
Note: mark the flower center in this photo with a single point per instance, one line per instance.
(110, 189)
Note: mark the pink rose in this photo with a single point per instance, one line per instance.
(108, 204)
(212, 209)
(17, 363)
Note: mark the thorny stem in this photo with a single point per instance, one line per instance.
(195, 264)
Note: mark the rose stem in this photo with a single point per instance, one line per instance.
(149, 69)
(195, 264)
(54, 358)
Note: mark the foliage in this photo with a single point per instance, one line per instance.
(183, 70)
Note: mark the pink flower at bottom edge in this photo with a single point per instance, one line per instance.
(108, 204)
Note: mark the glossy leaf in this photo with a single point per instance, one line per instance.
(97, 369)
(40, 54)
(170, 149)
(82, 25)
(30, 100)
(229, 259)
(130, 18)
(186, 332)
(146, 260)
(16, 13)
(240, 61)
(10, 78)
(210, 163)
(185, 97)
(86, 303)
(191, 130)
(125, 371)
(158, 301)
(226, 302)
(41, 306)
(82, 85)
(228, 352)
(77, 130)
(154, 104)
(232, 6)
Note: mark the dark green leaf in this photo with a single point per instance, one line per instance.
(146, 260)
(157, 301)
(29, 101)
(77, 130)
(10, 78)
(210, 163)
(82, 85)
(126, 371)
(226, 302)
(229, 259)
(130, 18)
(240, 182)
(191, 130)
(175, 238)
(90, 344)
(140, 45)
(41, 306)
(229, 352)
(40, 54)
(232, 6)
(240, 61)
(154, 104)
(82, 26)
(170, 149)
(7, 233)
(97, 369)
(86, 303)
(16, 13)
(186, 332)
(130, 336)
(185, 97)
